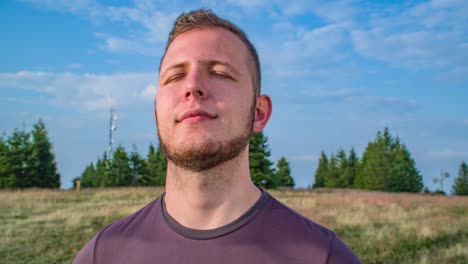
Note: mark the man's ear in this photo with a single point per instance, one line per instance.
(263, 112)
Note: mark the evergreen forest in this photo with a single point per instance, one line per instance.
(27, 160)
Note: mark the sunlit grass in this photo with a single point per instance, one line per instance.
(44, 226)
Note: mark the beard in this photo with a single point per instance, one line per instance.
(210, 154)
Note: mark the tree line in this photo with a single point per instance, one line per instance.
(131, 169)
(386, 165)
(27, 160)
(126, 169)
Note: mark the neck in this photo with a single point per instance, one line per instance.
(212, 198)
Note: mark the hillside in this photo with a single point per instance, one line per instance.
(44, 226)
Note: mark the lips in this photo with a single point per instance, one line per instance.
(195, 115)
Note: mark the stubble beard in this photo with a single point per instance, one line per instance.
(210, 154)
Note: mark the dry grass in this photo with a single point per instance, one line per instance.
(43, 226)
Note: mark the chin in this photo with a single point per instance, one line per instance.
(205, 153)
(194, 144)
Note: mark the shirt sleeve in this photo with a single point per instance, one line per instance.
(340, 253)
(86, 254)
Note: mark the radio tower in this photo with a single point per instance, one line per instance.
(112, 128)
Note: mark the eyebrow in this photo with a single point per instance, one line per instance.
(206, 62)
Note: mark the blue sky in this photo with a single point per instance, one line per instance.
(337, 72)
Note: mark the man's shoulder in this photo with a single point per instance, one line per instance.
(115, 235)
(292, 220)
(308, 238)
(134, 224)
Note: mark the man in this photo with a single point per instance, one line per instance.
(207, 106)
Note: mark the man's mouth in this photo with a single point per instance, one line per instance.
(195, 116)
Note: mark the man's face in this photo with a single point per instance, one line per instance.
(205, 101)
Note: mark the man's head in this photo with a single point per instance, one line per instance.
(206, 105)
(203, 18)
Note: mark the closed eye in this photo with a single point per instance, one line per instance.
(174, 77)
(222, 74)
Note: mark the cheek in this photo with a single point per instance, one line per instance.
(236, 111)
(164, 103)
(163, 113)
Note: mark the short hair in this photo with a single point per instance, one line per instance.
(202, 18)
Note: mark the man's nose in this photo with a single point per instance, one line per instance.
(195, 86)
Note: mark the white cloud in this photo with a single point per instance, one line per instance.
(149, 91)
(383, 105)
(356, 100)
(87, 92)
(429, 34)
(412, 35)
(144, 25)
(319, 42)
(336, 11)
(309, 52)
(329, 11)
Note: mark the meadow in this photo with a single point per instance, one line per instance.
(50, 226)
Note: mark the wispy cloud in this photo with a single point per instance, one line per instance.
(429, 34)
(389, 105)
(329, 11)
(144, 25)
(356, 101)
(87, 92)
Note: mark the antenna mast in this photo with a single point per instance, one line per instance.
(112, 128)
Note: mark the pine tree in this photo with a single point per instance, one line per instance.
(156, 167)
(120, 173)
(7, 178)
(460, 186)
(343, 169)
(387, 166)
(333, 176)
(321, 172)
(283, 173)
(21, 162)
(45, 167)
(405, 177)
(88, 177)
(260, 166)
(137, 166)
(353, 166)
(376, 163)
(101, 176)
(162, 164)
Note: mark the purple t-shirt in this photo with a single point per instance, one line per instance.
(269, 232)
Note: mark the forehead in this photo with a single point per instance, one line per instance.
(205, 44)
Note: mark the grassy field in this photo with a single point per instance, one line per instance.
(43, 226)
